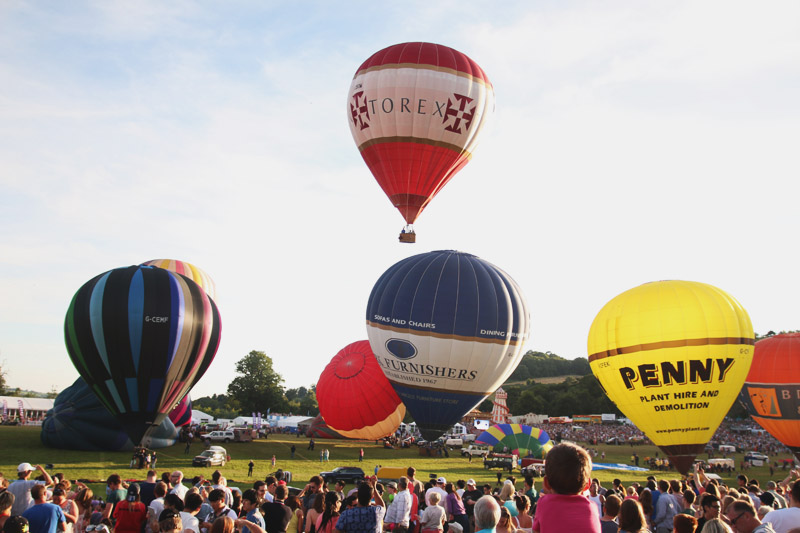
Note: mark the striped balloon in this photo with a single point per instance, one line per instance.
(416, 111)
(141, 337)
(192, 272)
(519, 439)
(447, 329)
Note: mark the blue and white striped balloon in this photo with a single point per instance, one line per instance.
(447, 329)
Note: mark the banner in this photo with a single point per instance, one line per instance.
(5, 410)
(21, 411)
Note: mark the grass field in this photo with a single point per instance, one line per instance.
(22, 444)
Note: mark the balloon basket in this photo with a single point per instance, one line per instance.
(408, 235)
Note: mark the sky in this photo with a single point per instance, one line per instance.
(632, 142)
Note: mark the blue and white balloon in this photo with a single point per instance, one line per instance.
(447, 329)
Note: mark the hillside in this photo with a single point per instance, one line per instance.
(536, 365)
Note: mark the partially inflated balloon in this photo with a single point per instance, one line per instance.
(771, 393)
(416, 111)
(519, 439)
(447, 329)
(140, 337)
(673, 356)
(78, 421)
(194, 273)
(355, 398)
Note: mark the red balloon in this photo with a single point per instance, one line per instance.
(355, 398)
(771, 392)
(416, 111)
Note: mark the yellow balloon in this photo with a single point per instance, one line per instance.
(673, 356)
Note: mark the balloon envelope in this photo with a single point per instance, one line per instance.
(673, 356)
(416, 111)
(771, 393)
(521, 440)
(78, 421)
(355, 398)
(447, 328)
(140, 337)
(181, 415)
(194, 273)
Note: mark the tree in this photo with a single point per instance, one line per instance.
(257, 388)
(2, 380)
(218, 406)
(303, 400)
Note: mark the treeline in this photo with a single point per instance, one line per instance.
(546, 364)
(574, 396)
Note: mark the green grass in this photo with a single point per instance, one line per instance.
(22, 444)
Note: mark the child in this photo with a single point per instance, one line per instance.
(567, 473)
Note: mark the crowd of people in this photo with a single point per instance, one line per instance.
(568, 501)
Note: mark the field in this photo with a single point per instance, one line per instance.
(22, 444)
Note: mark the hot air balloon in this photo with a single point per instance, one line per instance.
(78, 421)
(771, 392)
(416, 111)
(673, 356)
(141, 337)
(447, 328)
(192, 272)
(519, 439)
(355, 398)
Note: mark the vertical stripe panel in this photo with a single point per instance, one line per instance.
(136, 317)
(112, 388)
(154, 393)
(96, 319)
(133, 394)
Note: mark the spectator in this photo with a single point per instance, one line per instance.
(506, 523)
(631, 517)
(455, 508)
(176, 483)
(129, 516)
(399, 513)
(710, 507)
(783, 520)
(742, 516)
(716, 525)
(365, 518)
(6, 502)
(608, 522)
(296, 523)
(116, 494)
(568, 471)
(314, 512)
(524, 519)
(21, 488)
(156, 507)
(16, 524)
(44, 517)
(68, 507)
(326, 522)
(169, 521)
(191, 507)
(683, 523)
(433, 517)
(253, 515)
(277, 514)
(487, 514)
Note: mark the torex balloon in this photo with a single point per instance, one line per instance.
(355, 398)
(673, 356)
(192, 272)
(141, 337)
(447, 329)
(771, 393)
(416, 111)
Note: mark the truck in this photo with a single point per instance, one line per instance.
(504, 461)
(475, 449)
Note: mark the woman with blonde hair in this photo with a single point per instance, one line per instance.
(507, 497)
(83, 499)
(506, 523)
(715, 525)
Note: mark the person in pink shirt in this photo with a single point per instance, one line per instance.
(567, 474)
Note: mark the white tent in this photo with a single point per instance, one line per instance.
(199, 417)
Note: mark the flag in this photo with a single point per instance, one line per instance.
(21, 411)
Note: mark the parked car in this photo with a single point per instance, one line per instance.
(215, 455)
(756, 459)
(504, 461)
(475, 449)
(218, 436)
(348, 474)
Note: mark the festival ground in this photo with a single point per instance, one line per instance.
(22, 444)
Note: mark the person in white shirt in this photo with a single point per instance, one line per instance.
(783, 520)
(178, 489)
(438, 488)
(399, 512)
(191, 507)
